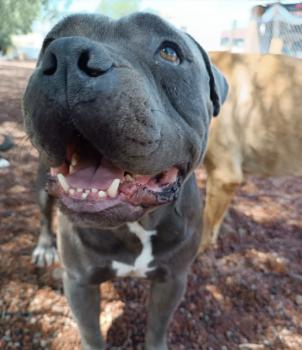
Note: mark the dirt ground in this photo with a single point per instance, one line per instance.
(246, 294)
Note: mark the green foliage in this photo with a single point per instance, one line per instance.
(118, 8)
(16, 17)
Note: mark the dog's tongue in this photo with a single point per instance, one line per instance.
(94, 175)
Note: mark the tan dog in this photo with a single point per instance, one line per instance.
(258, 132)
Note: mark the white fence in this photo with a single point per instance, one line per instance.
(280, 32)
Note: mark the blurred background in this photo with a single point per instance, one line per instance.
(244, 295)
(234, 25)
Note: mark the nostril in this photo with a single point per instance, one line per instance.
(87, 67)
(50, 64)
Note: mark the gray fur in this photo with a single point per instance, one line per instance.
(144, 114)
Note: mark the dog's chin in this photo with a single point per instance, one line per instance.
(92, 191)
(118, 214)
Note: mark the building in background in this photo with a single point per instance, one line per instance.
(295, 9)
(233, 39)
(280, 29)
(274, 28)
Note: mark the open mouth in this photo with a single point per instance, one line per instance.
(88, 182)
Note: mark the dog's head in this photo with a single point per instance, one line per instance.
(120, 111)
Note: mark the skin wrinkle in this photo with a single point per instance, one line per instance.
(190, 140)
(154, 151)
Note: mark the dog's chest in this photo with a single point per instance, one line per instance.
(141, 264)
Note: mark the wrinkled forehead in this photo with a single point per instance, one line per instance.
(137, 27)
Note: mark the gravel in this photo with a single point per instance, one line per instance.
(245, 294)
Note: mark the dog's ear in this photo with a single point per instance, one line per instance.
(218, 84)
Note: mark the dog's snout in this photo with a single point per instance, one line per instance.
(91, 67)
(50, 64)
(76, 55)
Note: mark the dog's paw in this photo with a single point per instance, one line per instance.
(44, 256)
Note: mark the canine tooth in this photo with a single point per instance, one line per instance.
(74, 159)
(128, 177)
(79, 190)
(63, 182)
(113, 189)
(85, 195)
(102, 194)
(94, 190)
(71, 191)
(71, 169)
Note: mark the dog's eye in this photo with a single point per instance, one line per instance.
(168, 53)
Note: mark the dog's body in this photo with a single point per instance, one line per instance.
(120, 112)
(259, 130)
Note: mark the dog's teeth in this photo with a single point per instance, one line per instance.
(94, 190)
(102, 194)
(85, 195)
(79, 190)
(87, 191)
(113, 189)
(53, 171)
(71, 191)
(73, 163)
(74, 159)
(128, 177)
(63, 182)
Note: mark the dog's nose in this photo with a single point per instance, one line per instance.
(76, 55)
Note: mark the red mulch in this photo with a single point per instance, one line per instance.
(246, 294)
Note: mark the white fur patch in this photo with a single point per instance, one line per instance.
(140, 266)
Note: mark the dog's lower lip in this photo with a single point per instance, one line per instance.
(126, 190)
(142, 198)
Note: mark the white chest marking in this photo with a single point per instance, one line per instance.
(140, 266)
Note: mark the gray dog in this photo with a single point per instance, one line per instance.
(119, 111)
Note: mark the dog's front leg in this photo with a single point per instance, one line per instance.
(84, 301)
(164, 299)
(45, 253)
